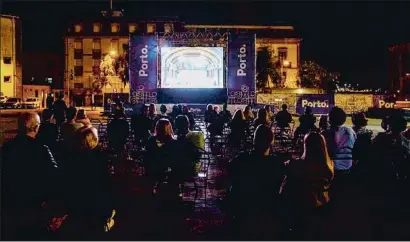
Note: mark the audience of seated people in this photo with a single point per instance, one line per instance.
(266, 199)
(283, 118)
(307, 123)
(189, 115)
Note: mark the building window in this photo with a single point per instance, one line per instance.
(96, 54)
(96, 27)
(78, 54)
(168, 28)
(96, 44)
(78, 44)
(78, 70)
(7, 79)
(7, 60)
(132, 28)
(78, 28)
(114, 46)
(115, 28)
(96, 67)
(151, 28)
(282, 53)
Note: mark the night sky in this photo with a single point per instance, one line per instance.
(350, 38)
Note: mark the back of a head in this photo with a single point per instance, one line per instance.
(209, 107)
(175, 109)
(284, 107)
(308, 110)
(185, 109)
(28, 122)
(262, 113)
(238, 115)
(359, 119)
(263, 138)
(81, 114)
(152, 108)
(143, 109)
(119, 113)
(86, 139)
(315, 150)
(397, 123)
(182, 124)
(47, 114)
(163, 129)
(71, 113)
(163, 108)
(337, 116)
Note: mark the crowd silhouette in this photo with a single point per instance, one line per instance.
(58, 173)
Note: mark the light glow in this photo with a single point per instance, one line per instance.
(192, 67)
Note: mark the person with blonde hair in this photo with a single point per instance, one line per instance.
(308, 181)
(88, 186)
(247, 112)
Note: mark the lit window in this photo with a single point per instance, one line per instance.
(96, 44)
(78, 28)
(132, 28)
(282, 53)
(96, 28)
(168, 28)
(7, 79)
(114, 45)
(78, 44)
(151, 28)
(115, 28)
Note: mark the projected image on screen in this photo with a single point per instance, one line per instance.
(191, 67)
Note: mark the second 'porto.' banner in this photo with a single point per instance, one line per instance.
(241, 69)
(320, 103)
(143, 68)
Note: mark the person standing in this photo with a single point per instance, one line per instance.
(93, 107)
(60, 107)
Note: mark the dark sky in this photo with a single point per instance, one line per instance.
(350, 38)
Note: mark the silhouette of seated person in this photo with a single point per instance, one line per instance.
(307, 123)
(324, 123)
(190, 116)
(308, 179)
(141, 125)
(209, 114)
(161, 153)
(48, 132)
(189, 143)
(163, 114)
(247, 112)
(262, 118)
(270, 111)
(225, 114)
(216, 123)
(255, 178)
(118, 131)
(239, 129)
(88, 187)
(69, 128)
(29, 174)
(283, 118)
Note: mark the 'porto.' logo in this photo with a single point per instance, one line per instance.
(144, 61)
(242, 61)
(383, 104)
(315, 104)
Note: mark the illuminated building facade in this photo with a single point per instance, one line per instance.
(10, 53)
(87, 42)
(400, 69)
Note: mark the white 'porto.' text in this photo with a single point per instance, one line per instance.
(144, 61)
(242, 61)
(315, 104)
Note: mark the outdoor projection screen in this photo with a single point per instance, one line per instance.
(192, 67)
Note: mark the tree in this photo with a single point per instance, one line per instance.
(312, 75)
(267, 68)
